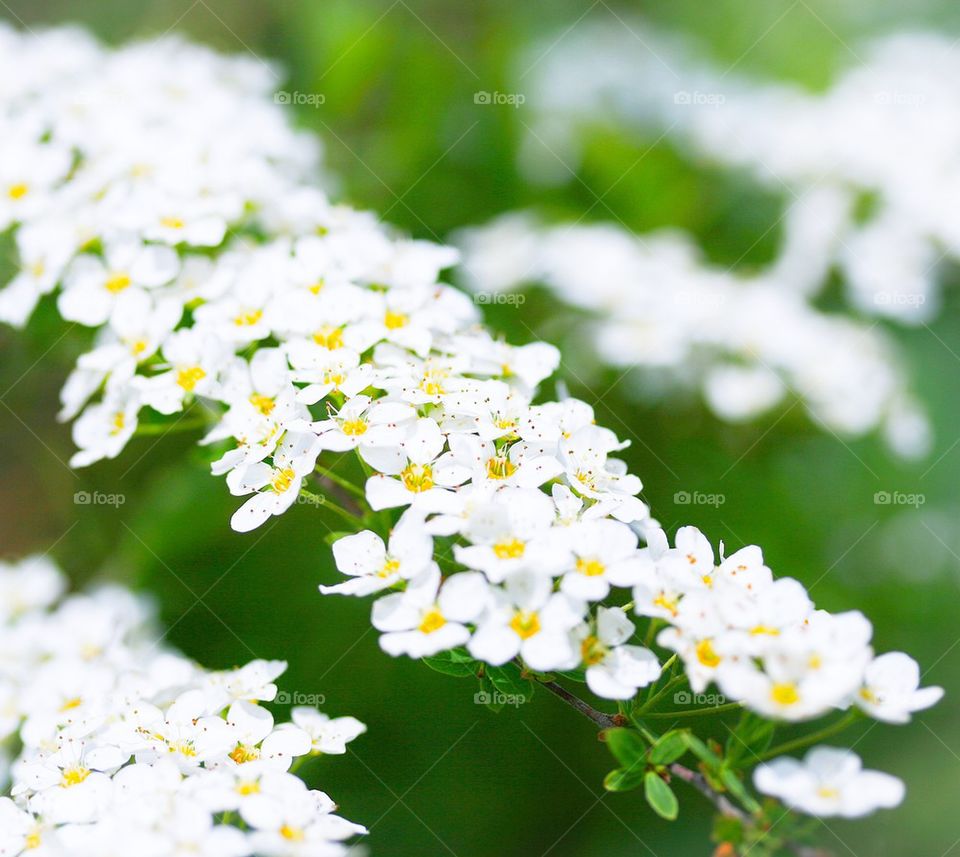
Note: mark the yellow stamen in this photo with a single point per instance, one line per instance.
(512, 549)
(76, 702)
(391, 566)
(116, 283)
(417, 477)
(292, 834)
(592, 651)
(394, 320)
(189, 378)
(590, 567)
(525, 623)
(262, 403)
(500, 467)
(172, 222)
(668, 604)
(248, 319)
(31, 841)
(118, 422)
(248, 787)
(706, 654)
(785, 694)
(18, 191)
(282, 479)
(74, 776)
(243, 753)
(353, 428)
(329, 337)
(433, 620)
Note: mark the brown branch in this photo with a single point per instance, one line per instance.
(604, 721)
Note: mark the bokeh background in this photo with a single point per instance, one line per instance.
(436, 773)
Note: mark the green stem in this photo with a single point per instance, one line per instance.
(346, 484)
(799, 743)
(147, 429)
(325, 502)
(696, 712)
(651, 632)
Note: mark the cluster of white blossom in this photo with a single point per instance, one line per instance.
(217, 273)
(114, 745)
(747, 343)
(870, 165)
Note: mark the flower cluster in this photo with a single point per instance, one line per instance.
(113, 744)
(748, 343)
(871, 163)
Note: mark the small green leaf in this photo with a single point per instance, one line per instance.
(624, 780)
(751, 736)
(628, 748)
(488, 695)
(670, 747)
(660, 796)
(450, 663)
(701, 750)
(330, 538)
(508, 680)
(735, 786)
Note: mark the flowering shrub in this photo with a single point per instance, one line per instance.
(748, 343)
(327, 362)
(114, 744)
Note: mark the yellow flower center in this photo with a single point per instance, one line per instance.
(592, 651)
(417, 477)
(282, 479)
(262, 403)
(116, 283)
(70, 704)
(828, 793)
(189, 378)
(329, 337)
(706, 654)
(432, 381)
(391, 566)
(243, 753)
(394, 320)
(32, 841)
(867, 695)
(767, 630)
(316, 287)
(18, 190)
(512, 549)
(74, 776)
(432, 620)
(500, 467)
(118, 421)
(184, 748)
(248, 319)
(353, 428)
(248, 787)
(292, 834)
(172, 222)
(666, 603)
(525, 623)
(590, 567)
(785, 694)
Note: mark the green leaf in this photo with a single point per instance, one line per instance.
(660, 796)
(735, 786)
(579, 675)
(751, 736)
(628, 748)
(488, 695)
(701, 750)
(670, 747)
(450, 663)
(509, 681)
(624, 780)
(331, 537)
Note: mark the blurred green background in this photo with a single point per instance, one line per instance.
(437, 774)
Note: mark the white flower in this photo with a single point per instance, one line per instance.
(428, 618)
(891, 689)
(328, 735)
(615, 670)
(605, 553)
(373, 566)
(828, 782)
